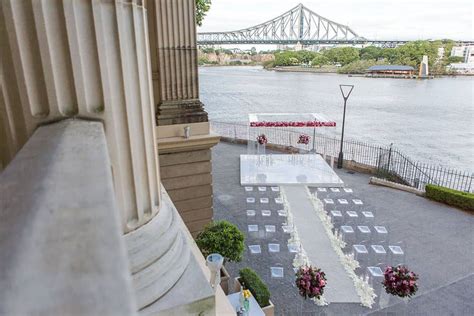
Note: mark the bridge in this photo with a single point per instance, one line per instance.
(299, 25)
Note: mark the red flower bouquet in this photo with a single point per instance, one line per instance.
(310, 282)
(293, 124)
(262, 139)
(400, 281)
(303, 139)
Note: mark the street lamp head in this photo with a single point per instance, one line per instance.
(346, 90)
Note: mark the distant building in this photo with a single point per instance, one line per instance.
(391, 70)
(462, 68)
(466, 52)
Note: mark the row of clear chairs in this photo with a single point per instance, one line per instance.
(362, 234)
(351, 218)
(378, 255)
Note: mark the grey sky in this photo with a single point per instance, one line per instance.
(375, 19)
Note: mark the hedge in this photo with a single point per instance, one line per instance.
(463, 200)
(251, 281)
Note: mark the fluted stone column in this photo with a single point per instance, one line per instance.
(185, 163)
(174, 62)
(90, 60)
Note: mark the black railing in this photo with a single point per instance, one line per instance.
(388, 162)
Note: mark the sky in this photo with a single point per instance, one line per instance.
(372, 19)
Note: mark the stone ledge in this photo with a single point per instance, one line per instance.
(62, 253)
(394, 185)
(181, 144)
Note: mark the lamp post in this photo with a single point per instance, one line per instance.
(346, 92)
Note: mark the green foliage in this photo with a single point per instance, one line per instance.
(454, 59)
(202, 6)
(268, 64)
(291, 58)
(371, 53)
(463, 200)
(224, 238)
(412, 53)
(203, 60)
(341, 55)
(286, 58)
(251, 281)
(357, 67)
(319, 60)
(208, 50)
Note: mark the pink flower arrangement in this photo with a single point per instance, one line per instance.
(304, 139)
(293, 124)
(400, 281)
(262, 139)
(310, 282)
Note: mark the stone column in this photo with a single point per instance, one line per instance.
(174, 62)
(185, 160)
(88, 60)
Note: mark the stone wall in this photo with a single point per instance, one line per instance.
(187, 178)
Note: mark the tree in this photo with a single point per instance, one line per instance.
(286, 58)
(455, 59)
(319, 60)
(202, 6)
(371, 53)
(305, 56)
(342, 55)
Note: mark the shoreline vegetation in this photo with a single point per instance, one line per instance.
(342, 60)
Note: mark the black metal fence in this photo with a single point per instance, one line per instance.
(387, 161)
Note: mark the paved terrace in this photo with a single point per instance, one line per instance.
(439, 243)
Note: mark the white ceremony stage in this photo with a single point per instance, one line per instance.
(295, 169)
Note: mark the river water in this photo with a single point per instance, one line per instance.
(429, 120)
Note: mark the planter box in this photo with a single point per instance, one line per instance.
(268, 310)
(225, 277)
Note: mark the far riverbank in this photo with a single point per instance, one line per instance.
(430, 120)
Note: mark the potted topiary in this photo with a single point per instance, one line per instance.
(226, 239)
(249, 279)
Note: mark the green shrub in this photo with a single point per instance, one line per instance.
(463, 200)
(224, 238)
(251, 281)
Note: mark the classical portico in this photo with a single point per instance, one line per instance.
(80, 84)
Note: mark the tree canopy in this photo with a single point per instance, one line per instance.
(202, 6)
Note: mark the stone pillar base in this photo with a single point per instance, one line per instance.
(180, 112)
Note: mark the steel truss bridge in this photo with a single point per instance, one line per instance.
(299, 25)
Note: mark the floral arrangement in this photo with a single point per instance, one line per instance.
(262, 139)
(246, 294)
(303, 139)
(400, 281)
(310, 282)
(293, 124)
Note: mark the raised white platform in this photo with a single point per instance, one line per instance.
(307, 169)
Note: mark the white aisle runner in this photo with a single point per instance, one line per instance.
(316, 243)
